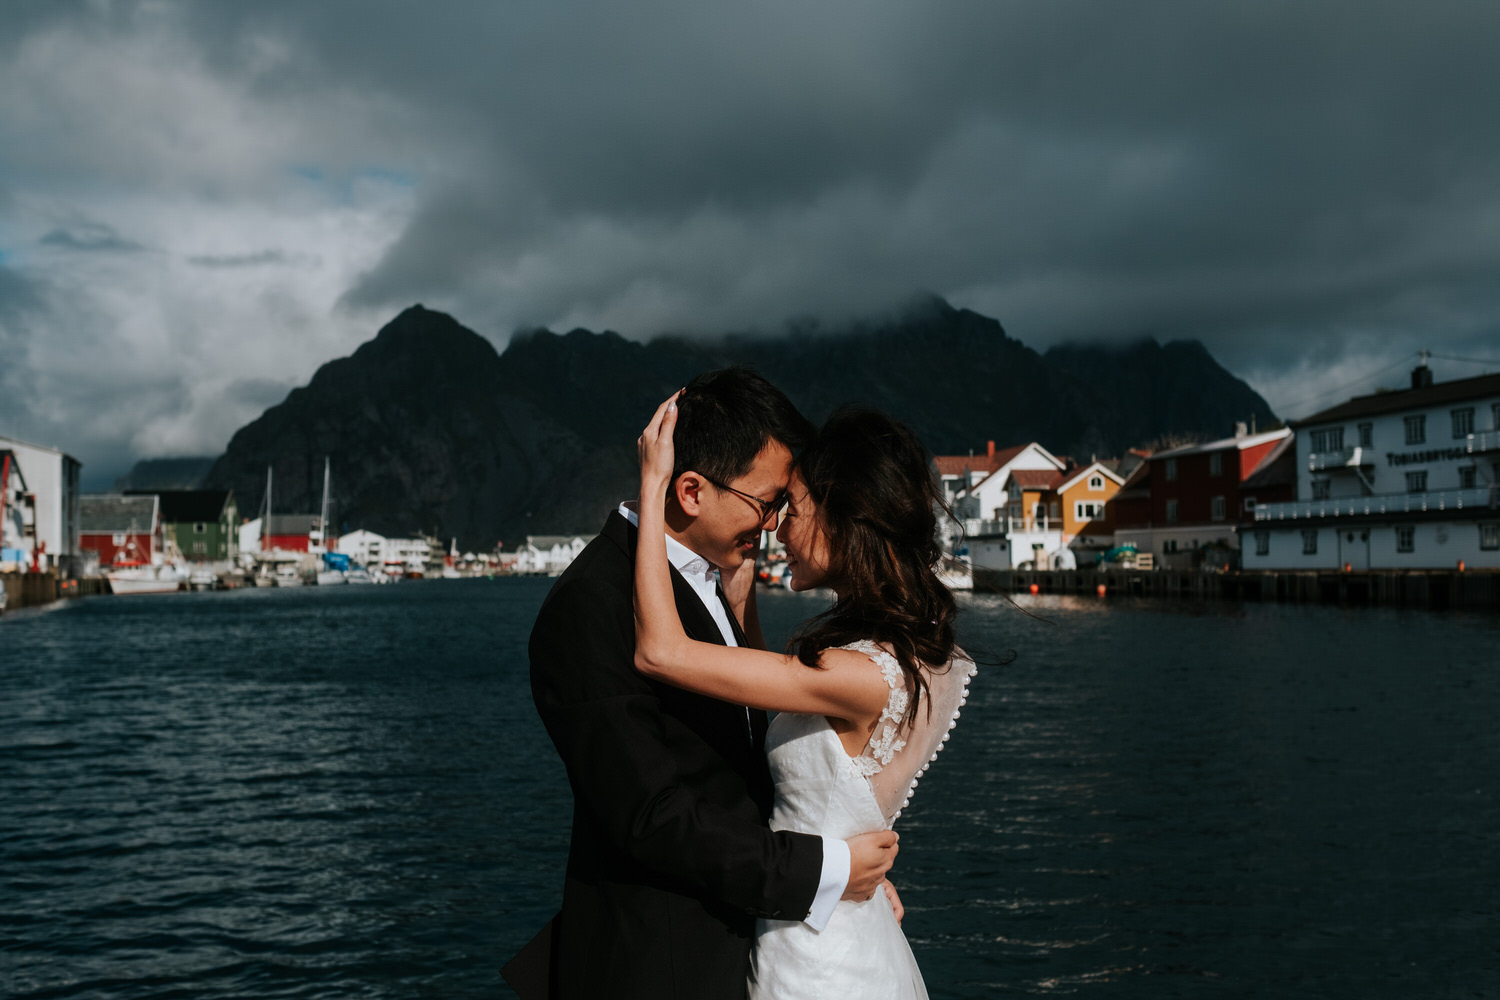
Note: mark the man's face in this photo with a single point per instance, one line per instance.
(727, 529)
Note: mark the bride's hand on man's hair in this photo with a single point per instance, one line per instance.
(654, 446)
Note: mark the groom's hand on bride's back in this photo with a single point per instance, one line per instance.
(870, 857)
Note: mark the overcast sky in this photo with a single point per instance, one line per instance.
(202, 202)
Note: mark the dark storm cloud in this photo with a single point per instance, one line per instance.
(260, 258)
(90, 238)
(1078, 169)
(1313, 190)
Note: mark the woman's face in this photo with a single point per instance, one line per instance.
(801, 532)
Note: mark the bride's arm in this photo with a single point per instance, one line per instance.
(844, 685)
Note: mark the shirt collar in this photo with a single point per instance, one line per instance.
(690, 564)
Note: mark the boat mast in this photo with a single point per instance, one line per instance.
(323, 511)
(265, 529)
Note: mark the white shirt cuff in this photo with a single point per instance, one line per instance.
(831, 885)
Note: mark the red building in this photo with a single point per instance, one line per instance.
(120, 529)
(291, 532)
(1184, 504)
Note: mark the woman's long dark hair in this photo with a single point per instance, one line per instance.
(877, 502)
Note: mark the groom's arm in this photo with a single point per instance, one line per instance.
(640, 773)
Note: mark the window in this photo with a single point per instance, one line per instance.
(1367, 435)
(1085, 511)
(1169, 546)
(1495, 415)
(1216, 464)
(1217, 508)
(1309, 541)
(1406, 538)
(1321, 489)
(1054, 510)
(1249, 505)
(1467, 477)
(1463, 422)
(1262, 543)
(1489, 536)
(1096, 482)
(1171, 511)
(1328, 439)
(200, 528)
(200, 548)
(1416, 429)
(117, 539)
(1170, 470)
(1416, 482)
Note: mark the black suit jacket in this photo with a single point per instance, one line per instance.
(671, 859)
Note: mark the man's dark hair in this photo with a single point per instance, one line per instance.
(725, 418)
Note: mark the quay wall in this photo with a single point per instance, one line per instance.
(1421, 589)
(28, 590)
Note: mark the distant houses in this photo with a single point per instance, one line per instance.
(1397, 480)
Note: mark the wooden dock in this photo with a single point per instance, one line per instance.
(1418, 588)
(29, 590)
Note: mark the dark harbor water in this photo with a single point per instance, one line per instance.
(345, 792)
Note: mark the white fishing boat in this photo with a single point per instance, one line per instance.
(143, 578)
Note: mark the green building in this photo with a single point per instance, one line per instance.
(203, 524)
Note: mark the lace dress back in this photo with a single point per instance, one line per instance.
(820, 789)
(905, 743)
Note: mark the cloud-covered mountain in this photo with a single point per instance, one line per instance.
(430, 430)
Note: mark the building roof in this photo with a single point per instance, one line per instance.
(1223, 444)
(957, 465)
(292, 524)
(1438, 394)
(1037, 479)
(181, 506)
(1278, 468)
(1073, 475)
(116, 514)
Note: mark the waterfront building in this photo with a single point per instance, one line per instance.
(115, 528)
(549, 554)
(52, 494)
(395, 557)
(1394, 480)
(1183, 504)
(1087, 521)
(203, 524)
(17, 515)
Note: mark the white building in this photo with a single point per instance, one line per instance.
(1008, 513)
(51, 479)
(1396, 480)
(393, 556)
(549, 554)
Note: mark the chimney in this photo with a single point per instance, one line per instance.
(992, 449)
(1240, 430)
(1421, 376)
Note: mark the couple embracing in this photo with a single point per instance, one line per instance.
(713, 854)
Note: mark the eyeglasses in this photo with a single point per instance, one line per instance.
(768, 508)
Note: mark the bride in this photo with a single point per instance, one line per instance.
(868, 696)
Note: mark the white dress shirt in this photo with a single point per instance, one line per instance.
(703, 577)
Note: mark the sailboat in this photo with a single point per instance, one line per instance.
(335, 564)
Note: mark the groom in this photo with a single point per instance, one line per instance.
(671, 859)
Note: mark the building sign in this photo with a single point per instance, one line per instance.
(1430, 455)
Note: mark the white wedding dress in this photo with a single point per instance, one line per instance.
(820, 789)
